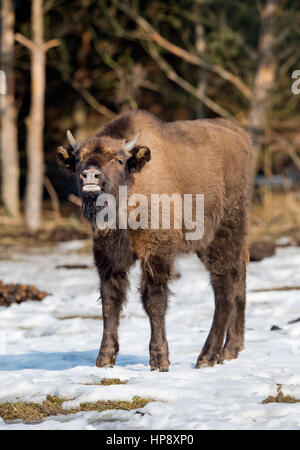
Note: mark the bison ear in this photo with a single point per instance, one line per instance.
(139, 156)
(66, 158)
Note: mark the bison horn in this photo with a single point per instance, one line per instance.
(72, 140)
(130, 144)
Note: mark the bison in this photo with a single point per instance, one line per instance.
(211, 157)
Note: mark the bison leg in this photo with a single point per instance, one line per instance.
(155, 277)
(212, 350)
(113, 294)
(227, 267)
(235, 332)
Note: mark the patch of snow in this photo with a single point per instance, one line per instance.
(50, 348)
(285, 241)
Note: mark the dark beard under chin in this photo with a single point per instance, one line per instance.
(89, 208)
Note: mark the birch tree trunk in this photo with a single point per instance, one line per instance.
(264, 77)
(35, 122)
(8, 142)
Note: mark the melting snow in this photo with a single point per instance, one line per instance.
(42, 354)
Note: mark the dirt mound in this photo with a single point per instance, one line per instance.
(72, 266)
(18, 293)
(261, 249)
(61, 234)
(19, 236)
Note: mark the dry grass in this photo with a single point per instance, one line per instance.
(277, 214)
(283, 288)
(110, 381)
(280, 397)
(107, 382)
(51, 232)
(52, 406)
(85, 317)
(81, 317)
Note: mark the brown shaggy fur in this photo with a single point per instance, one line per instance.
(210, 157)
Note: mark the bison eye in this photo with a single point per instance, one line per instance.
(118, 161)
(77, 160)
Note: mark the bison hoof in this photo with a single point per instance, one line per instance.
(229, 354)
(161, 369)
(104, 366)
(104, 362)
(159, 361)
(202, 362)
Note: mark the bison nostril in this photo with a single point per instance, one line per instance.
(90, 176)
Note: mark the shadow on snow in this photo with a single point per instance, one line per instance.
(61, 360)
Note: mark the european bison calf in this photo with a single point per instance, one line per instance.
(138, 152)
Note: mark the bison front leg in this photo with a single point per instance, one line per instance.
(113, 294)
(156, 275)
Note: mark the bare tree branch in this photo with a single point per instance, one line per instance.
(30, 45)
(285, 143)
(50, 44)
(54, 199)
(182, 53)
(24, 41)
(91, 100)
(172, 75)
(74, 199)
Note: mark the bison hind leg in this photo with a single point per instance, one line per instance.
(225, 260)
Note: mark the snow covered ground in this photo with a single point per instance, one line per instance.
(42, 354)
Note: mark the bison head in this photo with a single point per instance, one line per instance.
(102, 164)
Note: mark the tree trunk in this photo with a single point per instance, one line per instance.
(8, 141)
(264, 78)
(200, 44)
(35, 122)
